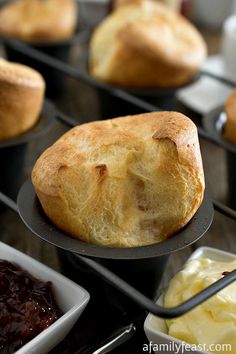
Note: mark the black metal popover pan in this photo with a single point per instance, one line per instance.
(34, 218)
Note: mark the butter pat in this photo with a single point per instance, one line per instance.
(214, 321)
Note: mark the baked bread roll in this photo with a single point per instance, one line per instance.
(124, 182)
(39, 20)
(230, 124)
(21, 97)
(172, 4)
(146, 45)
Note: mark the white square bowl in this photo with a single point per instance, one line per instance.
(155, 327)
(70, 297)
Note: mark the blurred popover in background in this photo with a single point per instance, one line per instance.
(39, 20)
(21, 98)
(146, 45)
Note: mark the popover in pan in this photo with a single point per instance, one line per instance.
(146, 45)
(124, 182)
(39, 20)
(230, 124)
(21, 98)
(173, 4)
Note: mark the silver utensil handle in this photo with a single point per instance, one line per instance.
(118, 338)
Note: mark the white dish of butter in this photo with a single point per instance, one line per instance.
(209, 328)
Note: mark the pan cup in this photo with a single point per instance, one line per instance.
(111, 106)
(214, 124)
(13, 152)
(12, 162)
(144, 274)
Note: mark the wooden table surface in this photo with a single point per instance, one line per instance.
(81, 102)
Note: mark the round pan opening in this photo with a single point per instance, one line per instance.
(33, 216)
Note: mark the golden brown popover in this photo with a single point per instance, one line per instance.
(124, 182)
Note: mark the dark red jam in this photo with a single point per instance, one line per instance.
(27, 307)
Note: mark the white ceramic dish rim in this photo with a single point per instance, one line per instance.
(201, 252)
(52, 275)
